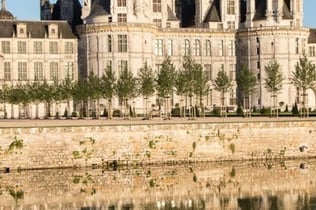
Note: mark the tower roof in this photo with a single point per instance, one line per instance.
(100, 8)
(213, 14)
(4, 13)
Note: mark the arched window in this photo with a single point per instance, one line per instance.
(187, 47)
(197, 47)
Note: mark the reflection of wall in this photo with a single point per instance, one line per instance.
(152, 143)
(259, 185)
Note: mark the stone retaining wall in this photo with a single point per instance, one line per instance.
(58, 147)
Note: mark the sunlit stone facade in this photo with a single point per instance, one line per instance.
(217, 34)
(34, 51)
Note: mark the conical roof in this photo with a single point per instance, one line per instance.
(4, 13)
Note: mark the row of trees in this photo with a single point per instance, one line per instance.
(188, 82)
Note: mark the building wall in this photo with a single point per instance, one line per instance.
(155, 143)
(233, 42)
(19, 48)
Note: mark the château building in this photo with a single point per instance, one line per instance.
(124, 34)
(217, 34)
(34, 51)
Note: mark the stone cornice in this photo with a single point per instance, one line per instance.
(150, 28)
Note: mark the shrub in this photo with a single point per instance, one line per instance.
(295, 109)
(117, 113)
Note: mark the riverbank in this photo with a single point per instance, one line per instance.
(34, 144)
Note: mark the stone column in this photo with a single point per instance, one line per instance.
(280, 11)
(250, 12)
(269, 11)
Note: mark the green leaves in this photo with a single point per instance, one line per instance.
(222, 82)
(166, 79)
(246, 80)
(304, 75)
(274, 77)
(146, 81)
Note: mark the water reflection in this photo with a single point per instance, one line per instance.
(243, 185)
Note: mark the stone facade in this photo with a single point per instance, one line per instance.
(217, 34)
(80, 146)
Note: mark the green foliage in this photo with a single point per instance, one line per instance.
(152, 144)
(232, 148)
(233, 172)
(295, 110)
(16, 144)
(166, 78)
(274, 77)
(146, 81)
(265, 111)
(194, 145)
(126, 85)
(239, 110)
(246, 81)
(304, 74)
(222, 82)
(15, 193)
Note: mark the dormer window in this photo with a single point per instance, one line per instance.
(53, 31)
(21, 30)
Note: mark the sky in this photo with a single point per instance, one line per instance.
(29, 10)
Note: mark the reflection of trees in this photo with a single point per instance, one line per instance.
(86, 183)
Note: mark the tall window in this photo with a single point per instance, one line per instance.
(170, 47)
(121, 18)
(38, 71)
(208, 48)
(158, 47)
(53, 71)
(6, 47)
(109, 43)
(22, 71)
(53, 47)
(122, 65)
(232, 72)
(121, 3)
(197, 47)
(22, 47)
(231, 7)
(311, 51)
(69, 70)
(157, 22)
(186, 47)
(231, 48)
(69, 48)
(156, 5)
(231, 25)
(221, 48)
(297, 46)
(37, 47)
(208, 71)
(7, 71)
(122, 43)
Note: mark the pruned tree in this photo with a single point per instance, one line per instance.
(165, 82)
(273, 84)
(108, 88)
(95, 93)
(304, 77)
(246, 83)
(146, 84)
(126, 89)
(222, 83)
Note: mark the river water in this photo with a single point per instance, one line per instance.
(275, 185)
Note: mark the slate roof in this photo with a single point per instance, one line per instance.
(213, 14)
(260, 10)
(6, 15)
(37, 29)
(286, 12)
(171, 16)
(312, 36)
(100, 8)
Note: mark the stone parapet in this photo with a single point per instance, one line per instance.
(139, 144)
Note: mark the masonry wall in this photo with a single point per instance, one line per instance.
(51, 147)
